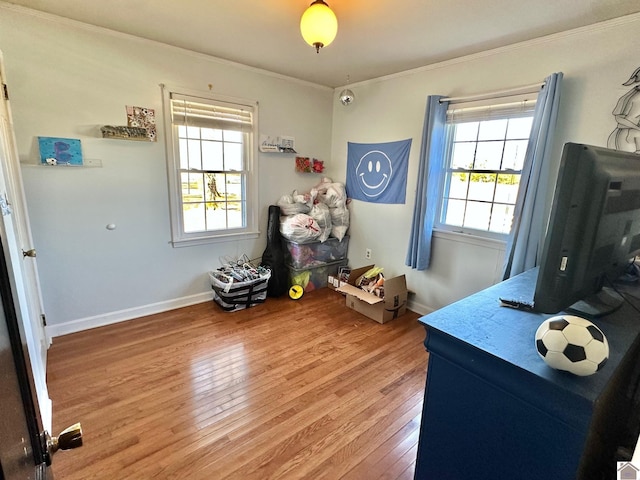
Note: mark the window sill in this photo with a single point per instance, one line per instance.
(470, 239)
(189, 242)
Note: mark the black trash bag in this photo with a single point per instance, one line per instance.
(273, 256)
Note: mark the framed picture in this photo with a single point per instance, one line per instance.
(60, 151)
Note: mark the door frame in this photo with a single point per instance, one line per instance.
(22, 269)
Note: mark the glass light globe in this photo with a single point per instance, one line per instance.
(318, 25)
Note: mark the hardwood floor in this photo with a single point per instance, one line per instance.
(285, 390)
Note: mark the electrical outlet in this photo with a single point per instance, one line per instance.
(367, 253)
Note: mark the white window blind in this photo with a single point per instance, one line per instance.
(210, 114)
(491, 109)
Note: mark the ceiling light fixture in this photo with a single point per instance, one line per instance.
(318, 25)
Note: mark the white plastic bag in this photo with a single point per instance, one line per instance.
(321, 214)
(289, 206)
(333, 194)
(339, 221)
(299, 228)
(307, 199)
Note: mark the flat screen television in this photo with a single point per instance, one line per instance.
(593, 232)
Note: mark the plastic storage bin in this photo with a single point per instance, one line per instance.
(306, 255)
(311, 278)
(239, 295)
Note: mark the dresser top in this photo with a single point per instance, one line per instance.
(479, 323)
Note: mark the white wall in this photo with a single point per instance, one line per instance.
(67, 79)
(595, 62)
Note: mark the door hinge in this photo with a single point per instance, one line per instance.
(5, 91)
(44, 320)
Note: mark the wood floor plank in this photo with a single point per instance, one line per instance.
(402, 467)
(387, 454)
(285, 390)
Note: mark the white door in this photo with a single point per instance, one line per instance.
(22, 268)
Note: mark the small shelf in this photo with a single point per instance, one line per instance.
(138, 134)
(88, 163)
(276, 149)
(280, 144)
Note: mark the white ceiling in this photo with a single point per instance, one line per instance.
(375, 37)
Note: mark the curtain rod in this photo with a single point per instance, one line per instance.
(500, 93)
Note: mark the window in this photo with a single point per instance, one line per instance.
(485, 152)
(212, 178)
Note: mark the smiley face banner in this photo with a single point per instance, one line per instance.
(377, 172)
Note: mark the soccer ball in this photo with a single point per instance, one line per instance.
(573, 344)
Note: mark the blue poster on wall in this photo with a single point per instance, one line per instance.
(377, 172)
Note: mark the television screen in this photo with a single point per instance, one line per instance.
(593, 232)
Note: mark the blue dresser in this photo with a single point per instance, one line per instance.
(494, 410)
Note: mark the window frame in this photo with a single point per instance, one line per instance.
(180, 238)
(511, 107)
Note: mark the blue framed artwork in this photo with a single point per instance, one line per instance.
(60, 151)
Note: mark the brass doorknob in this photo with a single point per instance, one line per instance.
(69, 438)
(29, 253)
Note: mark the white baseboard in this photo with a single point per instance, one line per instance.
(87, 323)
(81, 324)
(419, 308)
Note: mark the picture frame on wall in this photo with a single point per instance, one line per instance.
(60, 151)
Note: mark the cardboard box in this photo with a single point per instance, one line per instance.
(393, 305)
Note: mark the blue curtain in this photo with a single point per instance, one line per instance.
(524, 245)
(427, 191)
